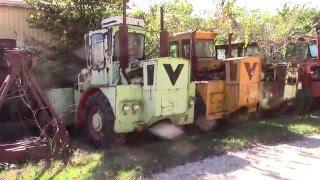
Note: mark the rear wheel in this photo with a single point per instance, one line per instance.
(99, 121)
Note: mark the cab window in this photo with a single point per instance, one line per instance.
(136, 45)
(221, 53)
(186, 49)
(234, 52)
(97, 51)
(205, 48)
(313, 49)
(174, 49)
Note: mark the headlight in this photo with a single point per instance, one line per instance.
(126, 108)
(191, 102)
(136, 107)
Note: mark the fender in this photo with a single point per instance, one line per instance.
(79, 119)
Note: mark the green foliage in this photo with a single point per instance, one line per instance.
(178, 18)
(265, 28)
(69, 20)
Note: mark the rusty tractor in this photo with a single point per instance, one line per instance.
(309, 72)
(279, 82)
(30, 128)
(279, 86)
(224, 86)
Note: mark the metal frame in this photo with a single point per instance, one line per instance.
(32, 149)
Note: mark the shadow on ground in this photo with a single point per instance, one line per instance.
(144, 155)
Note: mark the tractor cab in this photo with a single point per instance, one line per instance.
(308, 49)
(198, 47)
(103, 52)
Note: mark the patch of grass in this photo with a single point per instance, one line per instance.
(302, 129)
(132, 173)
(129, 162)
(233, 143)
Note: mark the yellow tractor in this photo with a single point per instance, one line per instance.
(224, 86)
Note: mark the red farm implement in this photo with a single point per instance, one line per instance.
(29, 127)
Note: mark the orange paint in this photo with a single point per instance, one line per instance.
(238, 86)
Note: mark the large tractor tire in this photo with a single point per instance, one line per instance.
(99, 121)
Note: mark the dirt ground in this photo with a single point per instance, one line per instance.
(297, 160)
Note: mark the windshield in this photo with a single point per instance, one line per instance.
(205, 48)
(313, 49)
(221, 53)
(297, 51)
(252, 50)
(136, 45)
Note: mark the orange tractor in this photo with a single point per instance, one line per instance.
(224, 86)
(279, 82)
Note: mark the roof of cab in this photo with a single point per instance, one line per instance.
(117, 20)
(207, 35)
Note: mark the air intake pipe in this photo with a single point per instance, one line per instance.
(124, 39)
(164, 36)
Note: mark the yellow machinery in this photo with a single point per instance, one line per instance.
(223, 86)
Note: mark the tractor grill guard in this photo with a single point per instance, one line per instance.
(53, 138)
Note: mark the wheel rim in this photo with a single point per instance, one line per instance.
(96, 124)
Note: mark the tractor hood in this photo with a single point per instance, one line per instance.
(166, 86)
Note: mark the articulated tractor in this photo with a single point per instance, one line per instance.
(223, 86)
(120, 91)
(279, 82)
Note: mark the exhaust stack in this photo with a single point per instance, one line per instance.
(229, 50)
(124, 39)
(164, 36)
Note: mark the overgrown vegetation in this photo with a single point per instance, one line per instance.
(134, 161)
(70, 19)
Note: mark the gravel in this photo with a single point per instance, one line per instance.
(297, 160)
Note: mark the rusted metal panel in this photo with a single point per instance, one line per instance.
(280, 85)
(212, 94)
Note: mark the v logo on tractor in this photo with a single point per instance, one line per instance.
(250, 69)
(173, 74)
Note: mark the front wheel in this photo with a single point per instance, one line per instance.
(99, 121)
